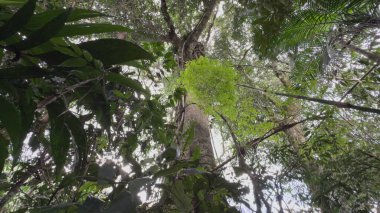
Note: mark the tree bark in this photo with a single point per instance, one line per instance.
(190, 115)
(196, 121)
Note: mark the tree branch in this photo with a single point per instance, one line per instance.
(337, 104)
(198, 29)
(255, 178)
(358, 82)
(172, 35)
(369, 55)
(210, 26)
(267, 135)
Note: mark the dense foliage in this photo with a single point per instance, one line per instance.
(102, 117)
(212, 85)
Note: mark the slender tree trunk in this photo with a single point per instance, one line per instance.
(296, 138)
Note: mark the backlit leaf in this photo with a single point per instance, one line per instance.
(40, 19)
(19, 19)
(3, 152)
(115, 51)
(125, 81)
(90, 28)
(59, 134)
(10, 118)
(42, 35)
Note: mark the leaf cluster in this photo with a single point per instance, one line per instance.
(211, 84)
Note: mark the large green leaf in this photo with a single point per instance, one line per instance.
(12, 2)
(60, 208)
(27, 108)
(78, 133)
(59, 134)
(125, 81)
(10, 118)
(124, 202)
(42, 35)
(19, 19)
(90, 28)
(3, 152)
(115, 51)
(74, 62)
(102, 110)
(23, 72)
(173, 169)
(38, 20)
(91, 204)
(177, 192)
(53, 57)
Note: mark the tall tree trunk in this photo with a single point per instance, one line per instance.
(196, 121)
(190, 115)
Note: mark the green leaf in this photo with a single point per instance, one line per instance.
(174, 169)
(66, 51)
(91, 204)
(115, 51)
(19, 19)
(59, 134)
(97, 102)
(53, 57)
(67, 181)
(10, 118)
(130, 144)
(90, 28)
(181, 200)
(135, 185)
(25, 72)
(40, 19)
(125, 81)
(42, 35)
(74, 62)
(10, 2)
(27, 108)
(79, 134)
(65, 207)
(3, 152)
(169, 154)
(103, 111)
(124, 202)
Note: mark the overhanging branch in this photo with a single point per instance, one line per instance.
(337, 104)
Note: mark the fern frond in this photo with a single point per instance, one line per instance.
(317, 17)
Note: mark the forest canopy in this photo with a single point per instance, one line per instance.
(189, 106)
